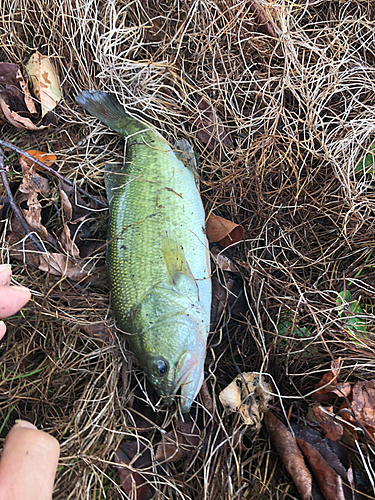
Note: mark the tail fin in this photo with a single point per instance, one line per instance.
(108, 110)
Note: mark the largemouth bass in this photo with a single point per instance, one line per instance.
(157, 258)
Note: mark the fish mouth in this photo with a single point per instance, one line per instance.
(189, 378)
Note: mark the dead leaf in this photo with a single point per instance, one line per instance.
(333, 429)
(223, 231)
(15, 91)
(227, 289)
(98, 330)
(290, 455)
(329, 481)
(133, 458)
(46, 158)
(44, 80)
(210, 127)
(248, 395)
(32, 182)
(62, 265)
(178, 444)
(333, 452)
(17, 120)
(363, 404)
(328, 386)
(16, 104)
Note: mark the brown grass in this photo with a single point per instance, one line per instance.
(300, 110)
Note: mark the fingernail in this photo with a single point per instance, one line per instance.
(5, 267)
(3, 329)
(25, 424)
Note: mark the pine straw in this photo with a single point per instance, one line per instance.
(300, 109)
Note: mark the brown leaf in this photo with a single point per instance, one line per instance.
(227, 290)
(333, 452)
(326, 387)
(15, 92)
(290, 455)
(363, 403)
(98, 330)
(32, 182)
(223, 231)
(46, 158)
(17, 120)
(210, 128)
(329, 481)
(333, 429)
(178, 444)
(133, 458)
(62, 265)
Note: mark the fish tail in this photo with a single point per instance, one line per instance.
(108, 110)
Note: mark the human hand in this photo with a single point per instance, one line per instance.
(12, 298)
(29, 459)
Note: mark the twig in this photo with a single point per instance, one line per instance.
(50, 170)
(15, 208)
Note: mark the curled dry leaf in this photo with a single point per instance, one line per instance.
(249, 395)
(333, 452)
(210, 128)
(44, 80)
(32, 182)
(98, 331)
(290, 455)
(362, 406)
(329, 481)
(227, 289)
(133, 458)
(329, 385)
(16, 104)
(178, 444)
(333, 429)
(14, 92)
(62, 265)
(223, 231)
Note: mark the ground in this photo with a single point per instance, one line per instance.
(278, 100)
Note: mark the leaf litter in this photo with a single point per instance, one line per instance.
(291, 86)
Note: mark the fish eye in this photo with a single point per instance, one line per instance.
(160, 367)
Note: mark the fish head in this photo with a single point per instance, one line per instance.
(179, 364)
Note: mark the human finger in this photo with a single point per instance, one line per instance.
(5, 274)
(28, 463)
(12, 299)
(3, 329)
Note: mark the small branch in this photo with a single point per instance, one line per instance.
(15, 208)
(50, 170)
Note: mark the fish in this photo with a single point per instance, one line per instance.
(157, 252)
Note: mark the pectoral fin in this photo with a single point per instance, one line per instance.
(175, 260)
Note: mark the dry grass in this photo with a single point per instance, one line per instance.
(300, 109)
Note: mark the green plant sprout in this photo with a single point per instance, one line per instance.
(367, 163)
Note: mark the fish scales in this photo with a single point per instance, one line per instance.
(157, 257)
(158, 196)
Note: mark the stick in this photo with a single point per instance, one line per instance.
(15, 208)
(50, 170)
